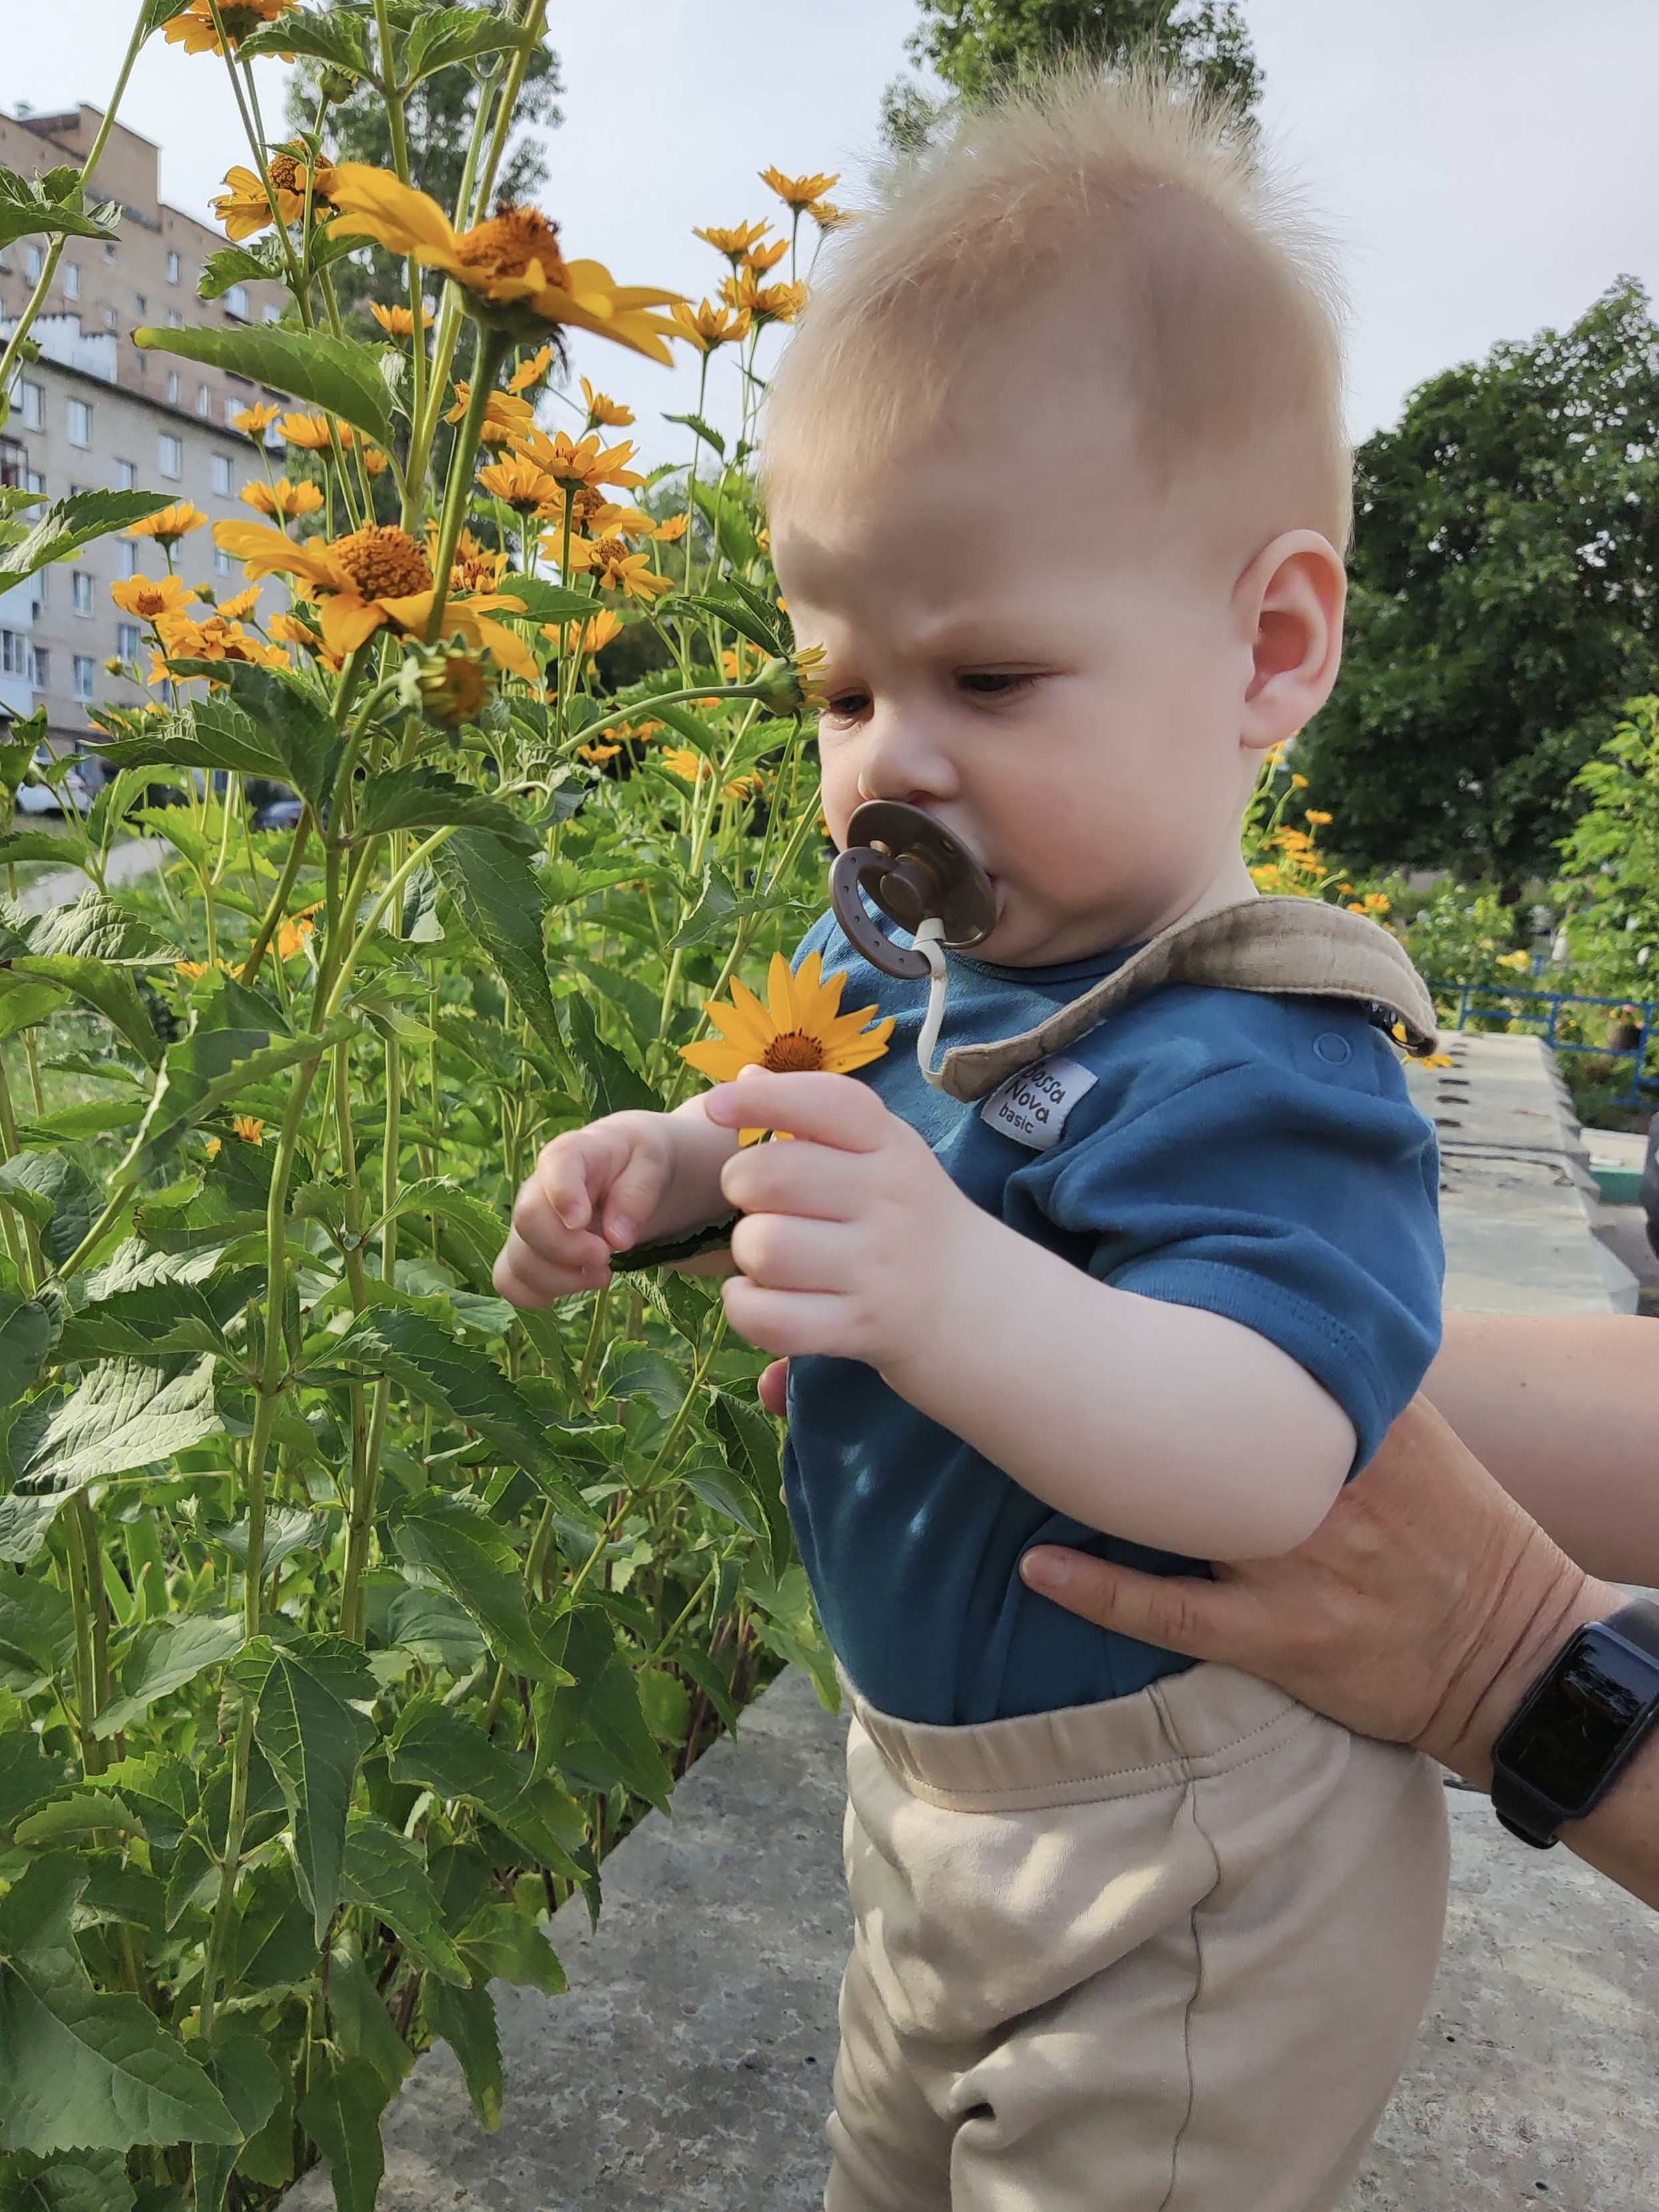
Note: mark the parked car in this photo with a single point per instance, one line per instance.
(41, 798)
(279, 814)
(1650, 1185)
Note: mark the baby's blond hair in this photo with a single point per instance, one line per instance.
(1212, 303)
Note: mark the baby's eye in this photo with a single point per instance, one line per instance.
(848, 705)
(995, 683)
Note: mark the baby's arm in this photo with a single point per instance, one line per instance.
(628, 1179)
(1161, 1423)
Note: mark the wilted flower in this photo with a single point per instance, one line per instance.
(799, 192)
(509, 265)
(282, 499)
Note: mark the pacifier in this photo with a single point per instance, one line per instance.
(925, 880)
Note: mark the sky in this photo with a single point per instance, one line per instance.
(1486, 167)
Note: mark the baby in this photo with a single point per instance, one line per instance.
(1057, 478)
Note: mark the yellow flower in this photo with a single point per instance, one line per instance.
(254, 422)
(800, 1029)
(615, 567)
(148, 597)
(194, 29)
(598, 754)
(829, 216)
(283, 499)
(1517, 960)
(519, 484)
(373, 579)
(581, 465)
(763, 303)
(535, 370)
(681, 761)
(508, 419)
(1375, 903)
(214, 638)
(312, 432)
(509, 265)
(192, 970)
(707, 327)
(1298, 783)
(666, 533)
(734, 244)
(798, 192)
(171, 524)
(760, 259)
(251, 1132)
(240, 608)
(398, 322)
(374, 460)
(604, 413)
(745, 787)
(291, 936)
(292, 630)
(475, 567)
(584, 637)
(1314, 815)
(246, 208)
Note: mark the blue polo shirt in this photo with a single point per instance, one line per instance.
(1255, 1157)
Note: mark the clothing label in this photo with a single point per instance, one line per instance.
(1031, 1107)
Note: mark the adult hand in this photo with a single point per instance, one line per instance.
(1420, 1611)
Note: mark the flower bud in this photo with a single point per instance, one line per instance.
(448, 683)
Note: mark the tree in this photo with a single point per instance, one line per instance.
(438, 122)
(980, 46)
(1505, 565)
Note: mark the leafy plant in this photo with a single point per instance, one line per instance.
(347, 1617)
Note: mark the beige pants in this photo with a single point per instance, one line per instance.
(1164, 1954)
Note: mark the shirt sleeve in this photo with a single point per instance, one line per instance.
(1298, 1199)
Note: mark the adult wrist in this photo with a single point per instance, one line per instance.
(1524, 1638)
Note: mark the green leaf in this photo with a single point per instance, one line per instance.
(289, 1529)
(28, 1330)
(502, 1945)
(148, 1324)
(711, 916)
(610, 1706)
(166, 1654)
(92, 927)
(734, 614)
(284, 708)
(54, 205)
(733, 534)
(336, 38)
(421, 798)
(613, 1086)
(80, 1813)
(449, 35)
(548, 603)
(465, 2019)
(313, 1740)
(337, 374)
(209, 733)
(246, 2076)
(49, 1189)
(25, 1004)
(435, 1747)
(341, 2112)
(474, 1560)
(109, 991)
(460, 1380)
(25, 1524)
(203, 1072)
(500, 902)
(28, 1776)
(755, 1452)
(706, 431)
(81, 2181)
(51, 845)
(80, 2069)
(362, 2026)
(386, 1873)
(71, 523)
(127, 1413)
(439, 1632)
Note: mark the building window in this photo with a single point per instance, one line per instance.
(109, 318)
(170, 458)
(13, 460)
(141, 303)
(35, 261)
(40, 668)
(175, 318)
(221, 483)
(204, 399)
(175, 267)
(76, 490)
(83, 591)
(33, 398)
(272, 313)
(126, 555)
(14, 652)
(38, 584)
(126, 640)
(236, 302)
(71, 280)
(85, 669)
(80, 423)
(173, 387)
(126, 475)
(109, 249)
(222, 563)
(37, 482)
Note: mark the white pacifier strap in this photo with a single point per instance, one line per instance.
(927, 943)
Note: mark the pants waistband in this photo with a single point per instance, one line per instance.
(1183, 1729)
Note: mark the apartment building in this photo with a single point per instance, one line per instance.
(97, 412)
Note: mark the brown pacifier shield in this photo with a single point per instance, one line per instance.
(915, 870)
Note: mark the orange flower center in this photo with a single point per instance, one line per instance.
(506, 244)
(794, 1053)
(610, 550)
(383, 562)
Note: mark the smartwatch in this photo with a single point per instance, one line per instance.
(1579, 1726)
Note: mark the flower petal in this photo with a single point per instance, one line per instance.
(723, 1062)
(349, 621)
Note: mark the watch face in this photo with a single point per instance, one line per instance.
(1562, 1745)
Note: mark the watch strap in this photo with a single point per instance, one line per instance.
(1527, 1813)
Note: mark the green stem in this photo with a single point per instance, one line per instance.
(491, 350)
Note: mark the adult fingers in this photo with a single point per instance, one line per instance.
(1202, 1620)
(817, 1180)
(830, 1110)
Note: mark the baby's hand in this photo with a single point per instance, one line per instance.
(592, 1193)
(853, 1237)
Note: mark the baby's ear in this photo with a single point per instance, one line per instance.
(1290, 600)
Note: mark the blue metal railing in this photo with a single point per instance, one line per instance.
(1646, 1011)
